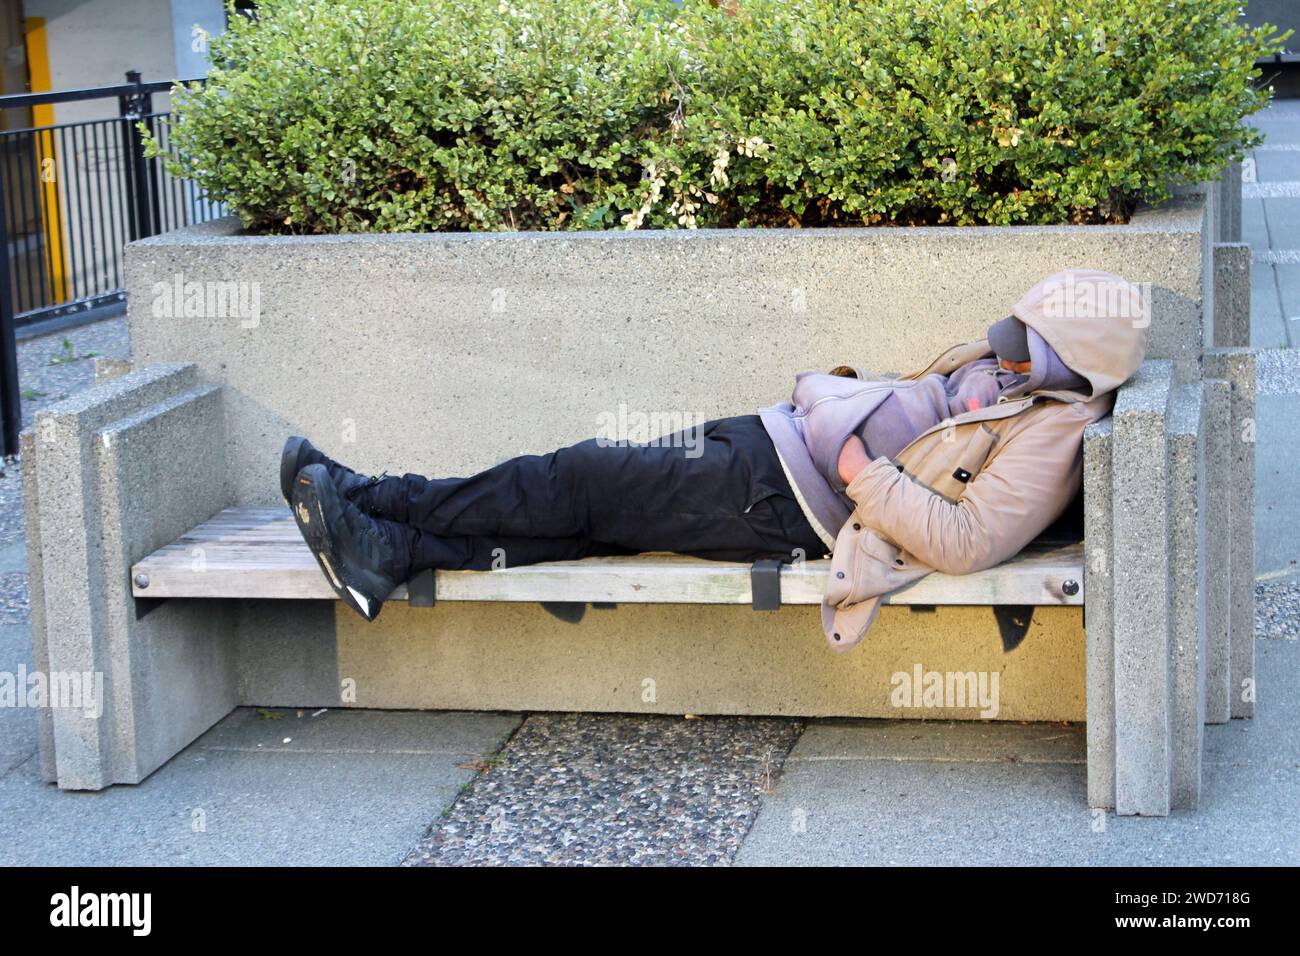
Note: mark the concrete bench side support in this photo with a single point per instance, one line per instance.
(1237, 367)
(62, 549)
(36, 598)
(1231, 316)
(1229, 202)
(1099, 623)
(119, 470)
(1217, 478)
(177, 661)
(1148, 513)
(1186, 496)
(1140, 529)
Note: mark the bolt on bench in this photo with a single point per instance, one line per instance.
(161, 556)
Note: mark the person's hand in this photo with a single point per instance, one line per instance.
(853, 458)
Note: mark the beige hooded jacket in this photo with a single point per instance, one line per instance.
(973, 490)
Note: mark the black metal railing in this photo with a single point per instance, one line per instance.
(71, 196)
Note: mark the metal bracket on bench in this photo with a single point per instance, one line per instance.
(570, 612)
(422, 590)
(765, 585)
(1013, 623)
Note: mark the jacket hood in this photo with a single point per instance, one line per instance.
(1083, 321)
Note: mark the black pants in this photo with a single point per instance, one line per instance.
(715, 491)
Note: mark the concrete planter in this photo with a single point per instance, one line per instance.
(446, 353)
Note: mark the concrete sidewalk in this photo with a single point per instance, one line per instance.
(263, 787)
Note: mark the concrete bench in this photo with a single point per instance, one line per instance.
(142, 492)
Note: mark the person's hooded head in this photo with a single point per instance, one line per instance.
(1083, 331)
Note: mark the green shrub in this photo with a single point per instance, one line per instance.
(418, 115)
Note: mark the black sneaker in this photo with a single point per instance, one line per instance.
(298, 453)
(363, 558)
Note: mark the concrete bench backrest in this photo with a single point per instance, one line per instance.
(447, 353)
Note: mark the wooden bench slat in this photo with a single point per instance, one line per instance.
(258, 553)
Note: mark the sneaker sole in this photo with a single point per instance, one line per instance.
(315, 507)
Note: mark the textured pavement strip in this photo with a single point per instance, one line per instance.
(592, 789)
(1285, 189)
(1275, 190)
(1277, 608)
(1275, 256)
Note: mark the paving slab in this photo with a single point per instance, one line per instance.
(1268, 326)
(889, 813)
(868, 792)
(1277, 125)
(1283, 216)
(1254, 224)
(1288, 284)
(1276, 165)
(359, 788)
